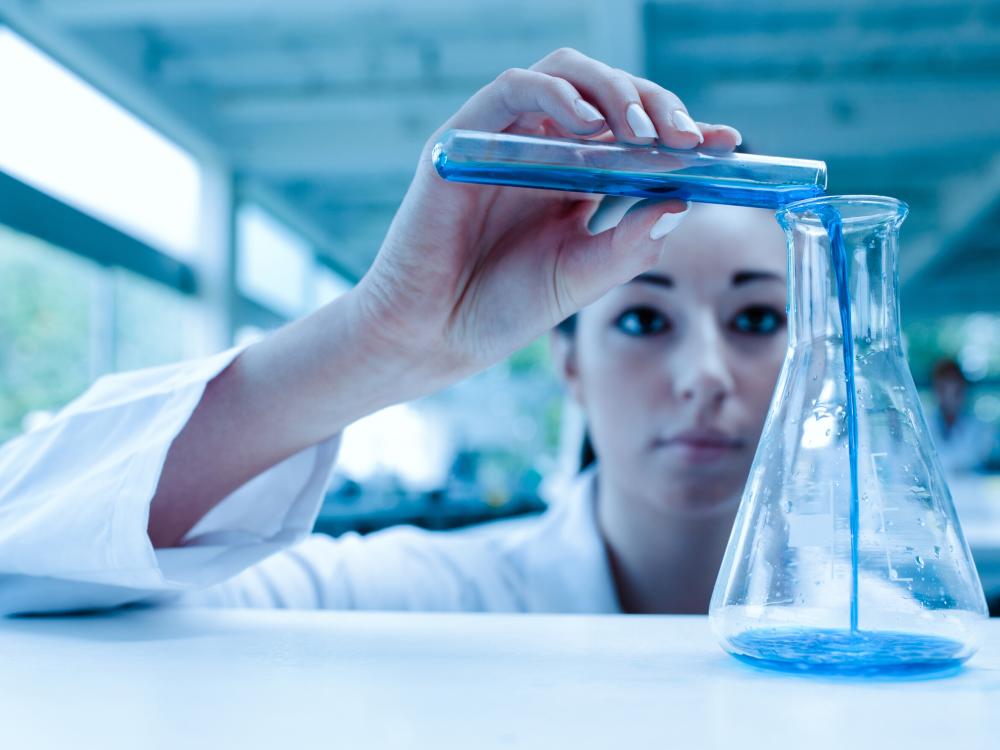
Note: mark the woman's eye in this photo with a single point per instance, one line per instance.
(642, 321)
(759, 321)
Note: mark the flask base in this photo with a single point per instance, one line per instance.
(843, 652)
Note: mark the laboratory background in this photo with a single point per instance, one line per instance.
(178, 176)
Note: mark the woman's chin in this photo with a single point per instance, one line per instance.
(699, 490)
(702, 465)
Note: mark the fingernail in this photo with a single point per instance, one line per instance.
(587, 111)
(666, 224)
(683, 122)
(639, 121)
(736, 134)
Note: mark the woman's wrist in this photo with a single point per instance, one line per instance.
(339, 364)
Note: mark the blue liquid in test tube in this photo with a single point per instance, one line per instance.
(621, 169)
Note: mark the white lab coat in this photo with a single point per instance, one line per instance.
(967, 445)
(74, 506)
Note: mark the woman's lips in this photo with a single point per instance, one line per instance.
(700, 445)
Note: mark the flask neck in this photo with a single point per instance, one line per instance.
(871, 279)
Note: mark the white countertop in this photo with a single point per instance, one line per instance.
(184, 679)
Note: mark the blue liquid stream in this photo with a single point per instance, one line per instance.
(840, 262)
(631, 184)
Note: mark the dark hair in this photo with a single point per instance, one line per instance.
(588, 457)
(946, 369)
(567, 327)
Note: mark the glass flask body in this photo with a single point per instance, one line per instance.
(846, 555)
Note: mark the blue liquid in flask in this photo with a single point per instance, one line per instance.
(847, 651)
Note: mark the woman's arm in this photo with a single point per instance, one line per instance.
(295, 388)
(466, 275)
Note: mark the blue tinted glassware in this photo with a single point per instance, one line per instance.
(846, 555)
(621, 169)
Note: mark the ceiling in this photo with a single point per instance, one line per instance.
(326, 104)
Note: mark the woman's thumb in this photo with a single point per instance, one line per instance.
(597, 263)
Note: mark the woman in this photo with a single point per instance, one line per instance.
(164, 482)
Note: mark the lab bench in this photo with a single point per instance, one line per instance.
(188, 678)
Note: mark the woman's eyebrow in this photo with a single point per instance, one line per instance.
(655, 278)
(745, 277)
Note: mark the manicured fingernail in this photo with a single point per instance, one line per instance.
(587, 111)
(683, 122)
(639, 121)
(737, 135)
(666, 224)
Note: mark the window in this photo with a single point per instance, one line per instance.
(64, 137)
(47, 337)
(327, 286)
(272, 263)
(154, 325)
(65, 320)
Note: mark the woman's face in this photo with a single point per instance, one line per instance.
(675, 370)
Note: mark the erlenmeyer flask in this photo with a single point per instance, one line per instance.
(823, 573)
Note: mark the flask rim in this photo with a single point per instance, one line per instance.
(853, 210)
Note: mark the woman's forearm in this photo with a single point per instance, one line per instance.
(296, 388)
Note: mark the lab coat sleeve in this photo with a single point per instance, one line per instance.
(75, 496)
(399, 568)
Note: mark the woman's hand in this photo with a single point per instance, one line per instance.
(469, 273)
(466, 275)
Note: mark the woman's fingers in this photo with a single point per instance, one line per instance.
(517, 92)
(673, 123)
(582, 96)
(612, 91)
(591, 265)
(720, 137)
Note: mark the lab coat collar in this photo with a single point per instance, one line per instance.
(566, 567)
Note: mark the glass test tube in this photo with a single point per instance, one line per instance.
(621, 169)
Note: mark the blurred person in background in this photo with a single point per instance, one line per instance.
(198, 483)
(964, 442)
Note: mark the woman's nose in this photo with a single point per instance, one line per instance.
(701, 372)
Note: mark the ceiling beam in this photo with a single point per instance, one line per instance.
(96, 71)
(127, 13)
(829, 120)
(259, 192)
(201, 12)
(963, 202)
(871, 54)
(358, 61)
